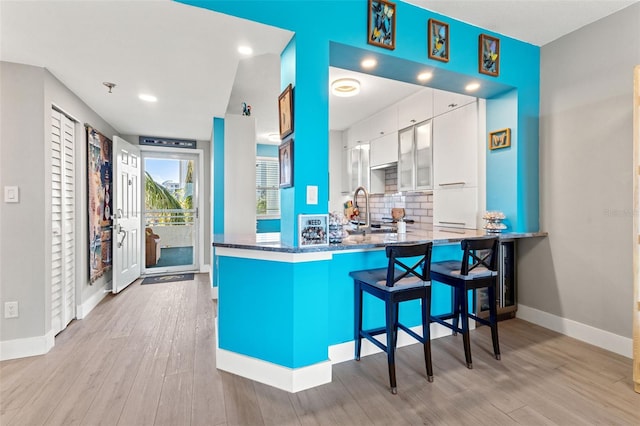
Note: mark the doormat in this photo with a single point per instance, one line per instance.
(167, 278)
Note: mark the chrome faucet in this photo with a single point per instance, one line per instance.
(367, 222)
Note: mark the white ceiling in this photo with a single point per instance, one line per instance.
(187, 56)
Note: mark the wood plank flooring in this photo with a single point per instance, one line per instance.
(146, 357)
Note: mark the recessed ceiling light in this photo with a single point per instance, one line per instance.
(368, 63)
(345, 87)
(147, 98)
(425, 76)
(245, 50)
(472, 87)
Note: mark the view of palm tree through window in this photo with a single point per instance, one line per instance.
(170, 216)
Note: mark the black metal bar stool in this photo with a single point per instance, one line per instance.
(478, 270)
(394, 284)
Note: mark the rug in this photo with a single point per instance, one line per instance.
(167, 278)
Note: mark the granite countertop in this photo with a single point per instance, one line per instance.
(415, 234)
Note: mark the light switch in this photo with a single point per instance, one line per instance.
(11, 194)
(312, 194)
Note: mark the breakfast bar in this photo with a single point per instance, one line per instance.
(285, 313)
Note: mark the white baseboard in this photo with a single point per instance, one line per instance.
(345, 351)
(586, 333)
(83, 310)
(205, 269)
(214, 293)
(30, 346)
(288, 379)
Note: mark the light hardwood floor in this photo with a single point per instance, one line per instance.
(146, 357)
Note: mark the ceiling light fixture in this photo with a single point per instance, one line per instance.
(471, 87)
(368, 63)
(345, 87)
(147, 98)
(425, 76)
(245, 50)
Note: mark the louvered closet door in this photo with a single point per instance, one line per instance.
(63, 250)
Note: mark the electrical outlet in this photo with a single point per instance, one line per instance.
(11, 309)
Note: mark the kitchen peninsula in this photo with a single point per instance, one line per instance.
(285, 313)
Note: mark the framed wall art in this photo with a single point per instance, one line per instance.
(285, 112)
(500, 139)
(381, 24)
(438, 40)
(489, 55)
(313, 230)
(285, 156)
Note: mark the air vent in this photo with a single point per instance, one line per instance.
(166, 142)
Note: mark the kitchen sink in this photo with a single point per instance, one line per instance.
(373, 230)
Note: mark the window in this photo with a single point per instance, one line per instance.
(267, 190)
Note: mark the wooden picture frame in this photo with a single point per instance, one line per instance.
(489, 55)
(500, 139)
(285, 159)
(381, 24)
(285, 112)
(438, 45)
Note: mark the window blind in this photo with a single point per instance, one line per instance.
(267, 187)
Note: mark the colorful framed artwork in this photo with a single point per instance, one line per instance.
(438, 40)
(500, 139)
(381, 24)
(489, 55)
(285, 156)
(285, 112)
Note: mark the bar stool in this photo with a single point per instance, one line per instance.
(477, 270)
(394, 284)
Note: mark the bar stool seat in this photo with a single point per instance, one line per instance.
(478, 269)
(394, 284)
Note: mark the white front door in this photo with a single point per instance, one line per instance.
(126, 214)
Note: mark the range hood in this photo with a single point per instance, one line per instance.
(385, 166)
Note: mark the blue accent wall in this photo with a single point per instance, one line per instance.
(341, 41)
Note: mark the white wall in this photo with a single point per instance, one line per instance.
(336, 145)
(582, 272)
(26, 96)
(239, 175)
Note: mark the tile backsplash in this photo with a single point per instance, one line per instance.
(417, 205)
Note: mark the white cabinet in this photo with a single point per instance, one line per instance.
(455, 207)
(415, 108)
(455, 161)
(381, 123)
(355, 172)
(415, 157)
(455, 151)
(384, 150)
(444, 102)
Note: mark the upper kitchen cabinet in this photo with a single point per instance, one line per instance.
(455, 152)
(379, 124)
(415, 108)
(444, 102)
(384, 150)
(355, 163)
(415, 157)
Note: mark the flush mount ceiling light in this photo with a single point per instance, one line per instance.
(345, 87)
(472, 87)
(245, 50)
(368, 63)
(425, 76)
(147, 98)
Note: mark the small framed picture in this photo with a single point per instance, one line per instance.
(500, 139)
(313, 230)
(285, 112)
(489, 55)
(285, 155)
(438, 40)
(381, 24)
